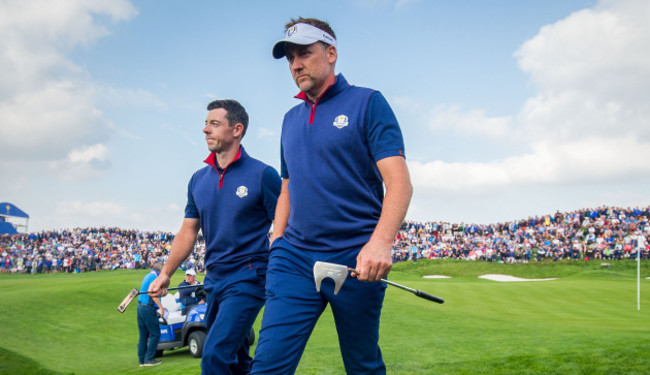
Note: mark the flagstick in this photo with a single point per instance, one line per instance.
(638, 279)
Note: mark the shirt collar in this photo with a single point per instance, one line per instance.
(212, 159)
(333, 89)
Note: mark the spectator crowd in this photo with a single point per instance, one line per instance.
(88, 249)
(603, 233)
(609, 233)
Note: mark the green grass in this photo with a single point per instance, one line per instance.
(586, 322)
(12, 363)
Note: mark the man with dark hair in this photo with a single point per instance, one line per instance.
(232, 201)
(339, 147)
(234, 112)
(148, 320)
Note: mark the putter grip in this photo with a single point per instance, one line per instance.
(428, 296)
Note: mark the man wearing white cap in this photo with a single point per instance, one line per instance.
(189, 296)
(339, 147)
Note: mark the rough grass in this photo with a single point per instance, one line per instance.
(586, 322)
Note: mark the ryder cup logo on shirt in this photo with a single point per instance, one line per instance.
(242, 191)
(341, 121)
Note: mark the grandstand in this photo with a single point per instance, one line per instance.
(13, 220)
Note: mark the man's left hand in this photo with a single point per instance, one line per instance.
(373, 262)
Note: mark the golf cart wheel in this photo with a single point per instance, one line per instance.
(196, 340)
(159, 353)
(251, 336)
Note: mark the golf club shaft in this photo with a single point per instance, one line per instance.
(135, 292)
(174, 288)
(418, 293)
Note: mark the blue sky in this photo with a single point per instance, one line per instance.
(509, 109)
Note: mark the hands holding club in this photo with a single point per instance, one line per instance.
(158, 287)
(374, 262)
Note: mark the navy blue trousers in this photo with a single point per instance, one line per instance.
(149, 333)
(293, 307)
(235, 295)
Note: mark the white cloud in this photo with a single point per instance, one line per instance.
(70, 214)
(580, 161)
(603, 49)
(46, 102)
(92, 209)
(13, 181)
(97, 152)
(91, 214)
(473, 123)
(38, 33)
(83, 163)
(593, 73)
(169, 209)
(589, 122)
(264, 133)
(47, 123)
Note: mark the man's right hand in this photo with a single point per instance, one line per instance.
(158, 288)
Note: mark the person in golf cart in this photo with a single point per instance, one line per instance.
(190, 296)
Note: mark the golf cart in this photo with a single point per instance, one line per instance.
(177, 330)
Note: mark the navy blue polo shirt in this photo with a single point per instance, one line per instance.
(329, 154)
(236, 207)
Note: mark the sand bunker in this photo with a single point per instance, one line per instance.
(506, 278)
(436, 277)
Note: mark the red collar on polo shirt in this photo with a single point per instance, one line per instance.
(303, 96)
(212, 161)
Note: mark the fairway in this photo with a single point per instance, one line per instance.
(585, 322)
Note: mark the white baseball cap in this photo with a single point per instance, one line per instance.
(303, 34)
(190, 272)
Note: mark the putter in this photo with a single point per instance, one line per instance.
(135, 292)
(336, 272)
(339, 272)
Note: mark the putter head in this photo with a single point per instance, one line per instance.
(129, 297)
(336, 272)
